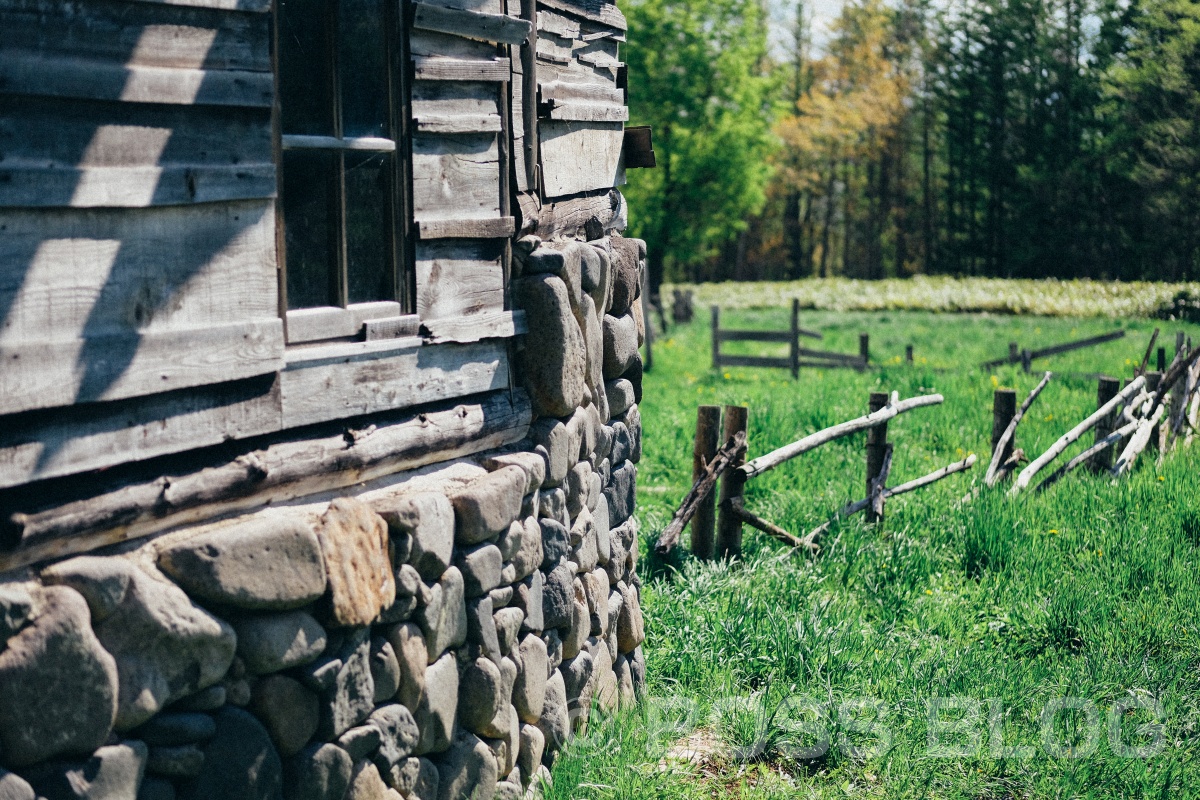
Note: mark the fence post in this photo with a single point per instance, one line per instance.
(864, 348)
(716, 339)
(1106, 389)
(708, 429)
(1160, 359)
(729, 525)
(908, 356)
(1014, 353)
(1176, 409)
(1026, 360)
(876, 448)
(1153, 379)
(794, 342)
(1004, 408)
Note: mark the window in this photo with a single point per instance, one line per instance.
(343, 166)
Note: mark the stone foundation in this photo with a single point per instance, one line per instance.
(438, 637)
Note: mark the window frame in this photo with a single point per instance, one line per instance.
(348, 321)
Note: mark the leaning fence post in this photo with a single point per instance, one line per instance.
(1178, 395)
(708, 429)
(908, 355)
(876, 448)
(1004, 408)
(794, 342)
(1153, 380)
(716, 337)
(864, 348)
(733, 481)
(1106, 389)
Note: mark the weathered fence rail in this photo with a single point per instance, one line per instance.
(1025, 356)
(797, 356)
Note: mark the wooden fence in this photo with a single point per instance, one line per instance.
(1025, 357)
(797, 356)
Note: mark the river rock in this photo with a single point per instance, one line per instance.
(533, 464)
(633, 422)
(600, 519)
(112, 773)
(488, 505)
(385, 669)
(596, 588)
(273, 642)
(360, 741)
(555, 722)
(408, 643)
(630, 626)
(480, 569)
(620, 493)
(467, 771)
(14, 787)
(529, 689)
(529, 555)
(399, 734)
(366, 783)
(480, 695)
(556, 543)
(528, 597)
(576, 633)
(270, 562)
(444, 620)
(481, 629)
(428, 518)
(171, 729)
(58, 686)
(319, 772)
(584, 545)
(551, 435)
(625, 275)
(620, 345)
(553, 357)
(166, 647)
(354, 540)
(622, 445)
(16, 609)
(437, 705)
(184, 761)
(239, 762)
(350, 694)
(558, 595)
(288, 711)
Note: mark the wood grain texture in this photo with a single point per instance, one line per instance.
(458, 123)
(558, 25)
(315, 324)
(458, 277)
(592, 92)
(568, 217)
(45, 374)
(587, 112)
(38, 75)
(471, 24)
(79, 273)
(46, 444)
(456, 178)
(149, 35)
(251, 6)
(330, 389)
(285, 470)
(608, 14)
(578, 158)
(474, 328)
(132, 187)
(499, 228)
(433, 68)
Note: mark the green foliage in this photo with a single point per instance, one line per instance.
(1089, 590)
(699, 68)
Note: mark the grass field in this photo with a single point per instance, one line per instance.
(1090, 590)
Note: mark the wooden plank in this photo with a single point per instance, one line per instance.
(593, 92)
(433, 68)
(249, 6)
(315, 324)
(388, 328)
(500, 228)
(1069, 346)
(455, 178)
(600, 60)
(78, 273)
(34, 74)
(608, 14)
(457, 277)
(454, 98)
(362, 144)
(45, 374)
(755, 336)
(845, 358)
(474, 328)
(567, 217)
(24, 186)
(587, 112)
(458, 123)
(329, 389)
(557, 24)
(555, 53)
(273, 475)
(46, 444)
(482, 6)
(578, 159)
(724, 360)
(471, 24)
(153, 35)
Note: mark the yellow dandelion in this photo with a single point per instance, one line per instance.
(1048, 418)
(995, 382)
(726, 376)
(1054, 531)
(1161, 478)
(929, 591)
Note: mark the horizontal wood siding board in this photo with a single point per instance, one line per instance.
(455, 177)
(593, 92)
(492, 325)
(456, 69)
(753, 361)
(500, 228)
(458, 123)
(79, 273)
(33, 74)
(336, 389)
(457, 277)
(568, 216)
(60, 373)
(471, 24)
(313, 462)
(46, 444)
(132, 187)
(314, 324)
(579, 158)
(587, 112)
(150, 35)
(248, 6)
(607, 15)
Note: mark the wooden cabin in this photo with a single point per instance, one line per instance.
(256, 256)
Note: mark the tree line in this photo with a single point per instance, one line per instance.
(1009, 138)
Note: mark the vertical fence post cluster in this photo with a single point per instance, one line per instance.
(708, 431)
(733, 483)
(876, 451)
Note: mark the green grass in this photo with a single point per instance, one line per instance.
(1090, 590)
(1084, 298)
